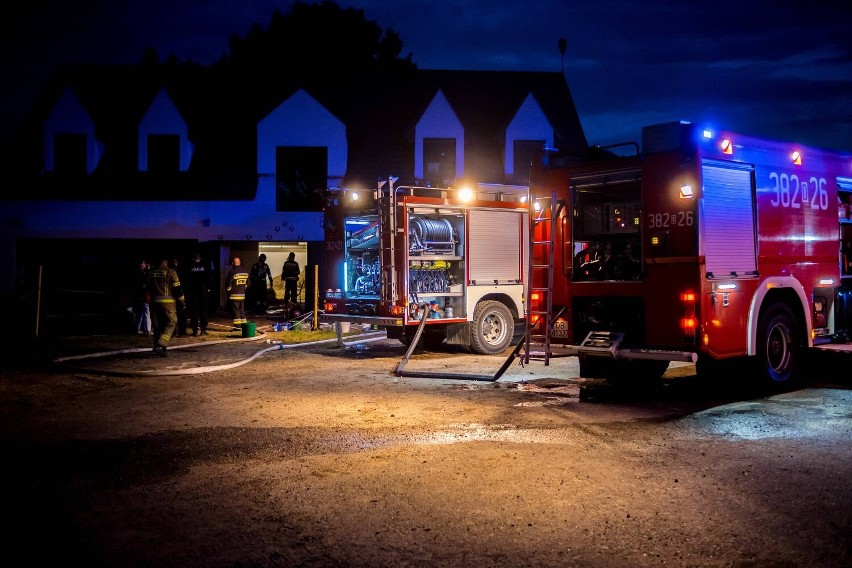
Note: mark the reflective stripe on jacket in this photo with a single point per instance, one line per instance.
(236, 283)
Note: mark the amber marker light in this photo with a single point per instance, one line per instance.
(727, 146)
(797, 157)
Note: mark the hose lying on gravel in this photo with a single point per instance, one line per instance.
(200, 370)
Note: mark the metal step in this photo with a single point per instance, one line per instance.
(601, 343)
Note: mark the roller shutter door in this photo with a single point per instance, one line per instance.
(494, 246)
(728, 217)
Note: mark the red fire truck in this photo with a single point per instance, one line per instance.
(705, 246)
(456, 257)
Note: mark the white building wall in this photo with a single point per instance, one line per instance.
(202, 220)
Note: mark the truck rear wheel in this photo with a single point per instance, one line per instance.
(779, 346)
(492, 328)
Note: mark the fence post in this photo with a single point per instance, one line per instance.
(316, 297)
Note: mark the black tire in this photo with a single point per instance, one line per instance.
(779, 345)
(596, 367)
(492, 328)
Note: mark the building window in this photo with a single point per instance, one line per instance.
(439, 161)
(301, 177)
(525, 152)
(163, 153)
(69, 154)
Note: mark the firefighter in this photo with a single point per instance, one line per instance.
(166, 295)
(260, 274)
(290, 275)
(235, 284)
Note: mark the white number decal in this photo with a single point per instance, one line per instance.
(790, 192)
(666, 220)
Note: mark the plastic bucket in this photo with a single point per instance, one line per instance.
(249, 329)
(344, 327)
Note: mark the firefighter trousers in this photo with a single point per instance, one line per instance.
(163, 321)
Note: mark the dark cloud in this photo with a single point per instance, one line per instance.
(781, 69)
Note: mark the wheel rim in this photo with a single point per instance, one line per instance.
(494, 328)
(778, 342)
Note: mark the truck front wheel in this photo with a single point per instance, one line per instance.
(492, 328)
(778, 344)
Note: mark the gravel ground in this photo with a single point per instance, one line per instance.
(320, 456)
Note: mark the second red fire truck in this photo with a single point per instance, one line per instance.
(705, 246)
(456, 258)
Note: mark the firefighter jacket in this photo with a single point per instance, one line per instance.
(164, 285)
(290, 270)
(260, 273)
(236, 283)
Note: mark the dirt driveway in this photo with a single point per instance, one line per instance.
(320, 456)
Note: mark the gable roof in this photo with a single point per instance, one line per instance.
(222, 112)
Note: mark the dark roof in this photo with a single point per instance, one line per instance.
(222, 111)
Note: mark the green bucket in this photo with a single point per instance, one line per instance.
(249, 329)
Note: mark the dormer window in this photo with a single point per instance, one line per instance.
(164, 146)
(439, 144)
(70, 147)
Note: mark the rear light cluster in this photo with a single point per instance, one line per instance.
(689, 321)
(819, 315)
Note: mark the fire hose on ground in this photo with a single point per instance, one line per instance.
(207, 369)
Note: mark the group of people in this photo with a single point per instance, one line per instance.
(250, 287)
(164, 295)
(162, 300)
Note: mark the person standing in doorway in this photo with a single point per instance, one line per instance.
(260, 274)
(197, 289)
(141, 300)
(290, 275)
(235, 284)
(166, 294)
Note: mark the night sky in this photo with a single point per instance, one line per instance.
(779, 69)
